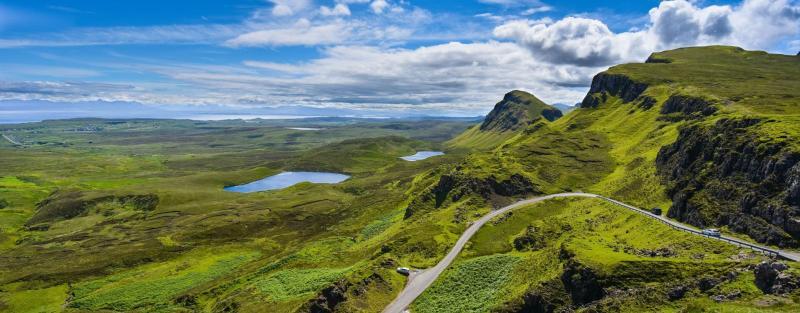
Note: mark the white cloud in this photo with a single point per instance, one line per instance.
(456, 78)
(539, 9)
(289, 7)
(361, 64)
(302, 33)
(340, 9)
(378, 6)
(756, 24)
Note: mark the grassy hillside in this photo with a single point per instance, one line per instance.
(658, 134)
(518, 110)
(131, 216)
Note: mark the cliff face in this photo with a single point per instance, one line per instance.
(726, 175)
(605, 85)
(517, 110)
(721, 173)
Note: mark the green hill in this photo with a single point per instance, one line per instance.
(516, 111)
(710, 133)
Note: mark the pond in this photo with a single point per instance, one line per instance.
(288, 179)
(422, 155)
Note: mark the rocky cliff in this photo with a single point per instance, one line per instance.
(725, 174)
(616, 85)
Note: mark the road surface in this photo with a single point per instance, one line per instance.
(423, 280)
(418, 283)
(11, 140)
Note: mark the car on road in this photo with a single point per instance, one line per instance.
(656, 211)
(712, 232)
(404, 270)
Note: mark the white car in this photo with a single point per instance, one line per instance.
(404, 270)
(712, 232)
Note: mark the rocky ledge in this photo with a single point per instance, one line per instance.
(723, 175)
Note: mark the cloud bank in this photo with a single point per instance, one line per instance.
(755, 24)
(363, 59)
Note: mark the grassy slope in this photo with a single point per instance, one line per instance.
(117, 258)
(310, 236)
(611, 150)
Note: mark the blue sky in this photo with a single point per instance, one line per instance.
(405, 56)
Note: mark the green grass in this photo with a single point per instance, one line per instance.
(156, 285)
(292, 284)
(473, 285)
(44, 300)
(605, 238)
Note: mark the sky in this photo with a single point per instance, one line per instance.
(380, 57)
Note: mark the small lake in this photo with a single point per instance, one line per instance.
(422, 155)
(288, 179)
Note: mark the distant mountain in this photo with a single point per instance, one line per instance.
(566, 108)
(518, 109)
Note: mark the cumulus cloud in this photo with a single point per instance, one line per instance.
(378, 6)
(340, 9)
(462, 77)
(755, 24)
(363, 64)
(457, 78)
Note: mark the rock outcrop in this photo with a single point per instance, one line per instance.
(688, 105)
(331, 297)
(772, 278)
(724, 175)
(617, 85)
(581, 283)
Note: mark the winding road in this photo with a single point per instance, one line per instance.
(11, 140)
(419, 281)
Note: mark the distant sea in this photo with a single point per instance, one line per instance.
(15, 112)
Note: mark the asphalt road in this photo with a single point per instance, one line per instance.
(421, 280)
(11, 140)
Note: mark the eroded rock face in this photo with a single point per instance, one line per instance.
(772, 278)
(329, 298)
(548, 298)
(581, 283)
(688, 105)
(617, 85)
(723, 175)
